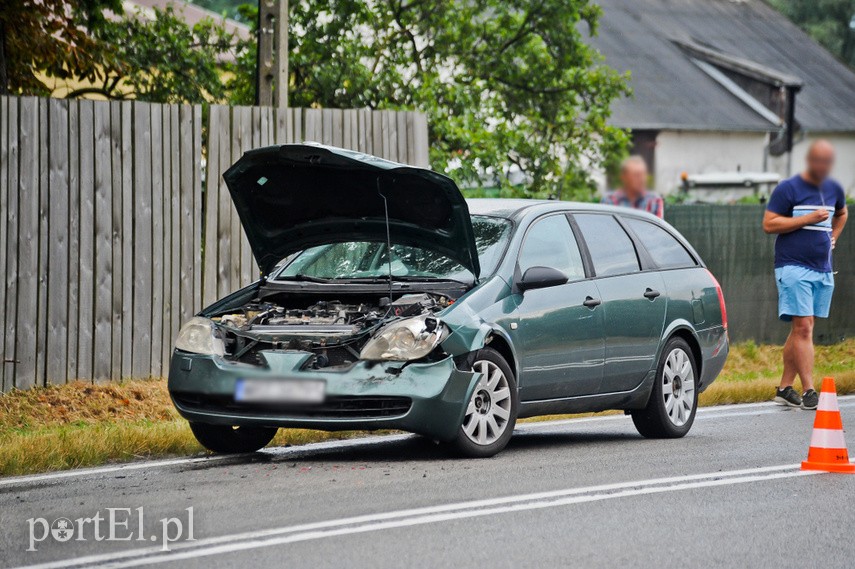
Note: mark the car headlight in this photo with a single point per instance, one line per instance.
(405, 340)
(200, 337)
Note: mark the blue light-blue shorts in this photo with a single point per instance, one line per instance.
(803, 292)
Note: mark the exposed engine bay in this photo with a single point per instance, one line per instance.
(333, 330)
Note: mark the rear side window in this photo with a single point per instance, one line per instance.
(550, 243)
(666, 251)
(611, 248)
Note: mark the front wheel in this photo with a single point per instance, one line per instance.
(491, 413)
(225, 439)
(671, 410)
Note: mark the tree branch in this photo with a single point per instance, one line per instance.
(396, 14)
(94, 91)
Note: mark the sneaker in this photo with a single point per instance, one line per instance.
(788, 396)
(810, 400)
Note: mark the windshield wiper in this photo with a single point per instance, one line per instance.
(370, 280)
(427, 279)
(409, 279)
(304, 278)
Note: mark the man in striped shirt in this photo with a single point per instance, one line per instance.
(807, 213)
(633, 191)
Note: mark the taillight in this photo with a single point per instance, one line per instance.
(720, 299)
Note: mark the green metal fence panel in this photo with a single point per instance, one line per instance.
(731, 241)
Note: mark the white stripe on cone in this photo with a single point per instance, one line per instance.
(828, 402)
(827, 438)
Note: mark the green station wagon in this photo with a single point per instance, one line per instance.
(387, 301)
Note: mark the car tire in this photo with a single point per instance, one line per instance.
(225, 439)
(491, 413)
(667, 415)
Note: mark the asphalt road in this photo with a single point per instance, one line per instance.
(580, 493)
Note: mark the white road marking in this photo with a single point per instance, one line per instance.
(20, 480)
(426, 515)
(715, 412)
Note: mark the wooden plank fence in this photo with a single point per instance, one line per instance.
(116, 226)
(85, 251)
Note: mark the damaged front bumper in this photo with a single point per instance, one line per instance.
(428, 398)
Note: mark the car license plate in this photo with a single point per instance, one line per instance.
(280, 391)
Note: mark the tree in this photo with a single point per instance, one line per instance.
(159, 59)
(49, 37)
(505, 83)
(165, 60)
(830, 22)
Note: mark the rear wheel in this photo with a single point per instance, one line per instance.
(671, 410)
(226, 439)
(491, 413)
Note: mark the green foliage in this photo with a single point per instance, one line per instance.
(830, 22)
(168, 61)
(228, 8)
(240, 83)
(48, 37)
(492, 192)
(749, 350)
(676, 198)
(129, 56)
(505, 83)
(752, 199)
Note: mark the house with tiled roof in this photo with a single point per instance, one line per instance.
(725, 86)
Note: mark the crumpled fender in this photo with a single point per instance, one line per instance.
(466, 320)
(467, 339)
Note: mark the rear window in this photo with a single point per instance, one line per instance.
(611, 248)
(666, 251)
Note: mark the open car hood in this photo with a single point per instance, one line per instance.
(294, 196)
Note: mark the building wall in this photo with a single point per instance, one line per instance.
(844, 168)
(702, 152)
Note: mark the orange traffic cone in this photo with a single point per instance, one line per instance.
(827, 446)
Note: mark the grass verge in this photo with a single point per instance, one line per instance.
(81, 424)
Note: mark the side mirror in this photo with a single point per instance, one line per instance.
(541, 277)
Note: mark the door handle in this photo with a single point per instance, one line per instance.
(651, 294)
(592, 302)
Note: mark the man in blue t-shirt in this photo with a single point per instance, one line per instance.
(807, 212)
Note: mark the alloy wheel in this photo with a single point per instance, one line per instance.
(490, 406)
(678, 386)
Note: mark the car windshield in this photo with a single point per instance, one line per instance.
(368, 259)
